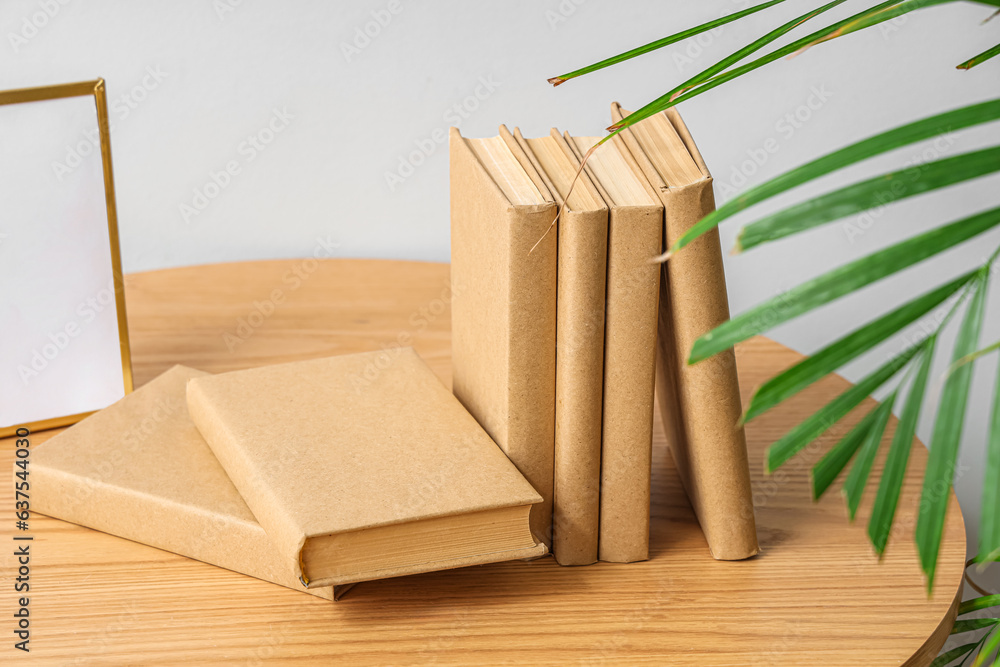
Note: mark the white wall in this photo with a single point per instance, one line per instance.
(195, 78)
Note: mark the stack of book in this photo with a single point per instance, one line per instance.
(316, 475)
(297, 474)
(562, 326)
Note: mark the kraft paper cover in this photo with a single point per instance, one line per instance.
(635, 234)
(139, 469)
(503, 320)
(709, 447)
(582, 275)
(345, 443)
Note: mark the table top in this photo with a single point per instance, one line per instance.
(815, 595)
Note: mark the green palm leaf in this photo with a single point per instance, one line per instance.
(835, 460)
(660, 43)
(814, 38)
(970, 624)
(816, 424)
(946, 436)
(954, 654)
(868, 194)
(726, 62)
(880, 143)
(981, 58)
(857, 478)
(975, 604)
(991, 645)
(989, 526)
(840, 281)
(884, 510)
(839, 352)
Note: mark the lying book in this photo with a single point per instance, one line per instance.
(582, 234)
(710, 447)
(503, 315)
(140, 470)
(358, 476)
(635, 236)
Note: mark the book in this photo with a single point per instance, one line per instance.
(503, 317)
(635, 235)
(582, 233)
(709, 447)
(357, 475)
(140, 470)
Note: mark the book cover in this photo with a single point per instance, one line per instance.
(358, 476)
(503, 278)
(582, 233)
(709, 448)
(139, 469)
(635, 235)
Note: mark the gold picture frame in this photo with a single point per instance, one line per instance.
(95, 88)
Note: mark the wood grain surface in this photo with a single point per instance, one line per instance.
(815, 596)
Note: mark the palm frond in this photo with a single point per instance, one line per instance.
(926, 128)
(817, 423)
(884, 510)
(708, 74)
(660, 43)
(875, 13)
(989, 522)
(840, 281)
(834, 461)
(857, 478)
(946, 436)
(979, 59)
(836, 354)
(878, 191)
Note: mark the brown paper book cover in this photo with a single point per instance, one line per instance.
(358, 476)
(582, 233)
(503, 278)
(709, 448)
(635, 235)
(139, 469)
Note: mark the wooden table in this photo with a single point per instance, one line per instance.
(815, 596)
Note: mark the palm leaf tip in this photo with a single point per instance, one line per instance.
(979, 59)
(891, 484)
(945, 437)
(557, 80)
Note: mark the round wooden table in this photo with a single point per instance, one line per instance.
(816, 595)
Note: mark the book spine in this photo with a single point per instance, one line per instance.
(582, 275)
(217, 539)
(711, 458)
(256, 493)
(635, 235)
(503, 278)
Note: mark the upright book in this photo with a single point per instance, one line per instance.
(503, 277)
(359, 476)
(582, 234)
(635, 236)
(710, 445)
(139, 469)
